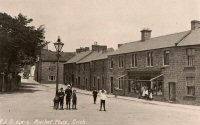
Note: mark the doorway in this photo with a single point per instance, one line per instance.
(172, 91)
(98, 84)
(111, 84)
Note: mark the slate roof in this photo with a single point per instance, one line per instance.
(78, 57)
(182, 38)
(48, 55)
(91, 57)
(192, 39)
(104, 55)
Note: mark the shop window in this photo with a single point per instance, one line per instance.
(190, 57)
(190, 86)
(166, 57)
(133, 86)
(134, 60)
(150, 59)
(52, 78)
(158, 87)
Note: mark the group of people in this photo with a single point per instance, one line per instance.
(70, 96)
(146, 93)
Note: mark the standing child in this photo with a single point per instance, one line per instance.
(61, 95)
(95, 95)
(103, 99)
(56, 102)
(74, 99)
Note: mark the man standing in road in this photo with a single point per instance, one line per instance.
(68, 92)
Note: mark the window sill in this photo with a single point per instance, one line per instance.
(189, 97)
(149, 66)
(133, 67)
(189, 68)
(119, 89)
(165, 66)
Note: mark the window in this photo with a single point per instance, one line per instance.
(111, 62)
(134, 60)
(79, 67)
(94, 66)
(52, 78)
(121, 61)
(150, 59)
(121, 83)
(166, 57)
(103, 66)
(190, 57)
(102, 80)
(84, 66)
(190, 86)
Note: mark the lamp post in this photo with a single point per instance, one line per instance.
(58, 45)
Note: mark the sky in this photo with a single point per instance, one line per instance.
(80, 23)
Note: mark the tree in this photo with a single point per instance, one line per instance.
(19, 41)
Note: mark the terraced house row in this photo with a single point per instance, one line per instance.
(169, 65)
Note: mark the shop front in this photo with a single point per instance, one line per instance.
(136, 81)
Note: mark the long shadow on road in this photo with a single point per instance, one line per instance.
(25, 88)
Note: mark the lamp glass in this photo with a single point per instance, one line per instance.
(58, 45)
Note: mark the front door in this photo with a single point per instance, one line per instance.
(111, 84)
(172, 91)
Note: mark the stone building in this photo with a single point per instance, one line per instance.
(88, 69)
(46, 66)
(169, 65)
(70, 68)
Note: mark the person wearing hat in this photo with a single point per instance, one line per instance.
(61, 95)
(68, 93)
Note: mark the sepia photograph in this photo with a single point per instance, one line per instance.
(99, 62)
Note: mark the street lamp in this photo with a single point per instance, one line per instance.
(58, 45)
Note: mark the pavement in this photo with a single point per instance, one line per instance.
(32, 104)
(144, 101)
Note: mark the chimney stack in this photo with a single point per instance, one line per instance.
(81, 49)
(119, 45)
(195, 24)
(98, 48)
(145, 34)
